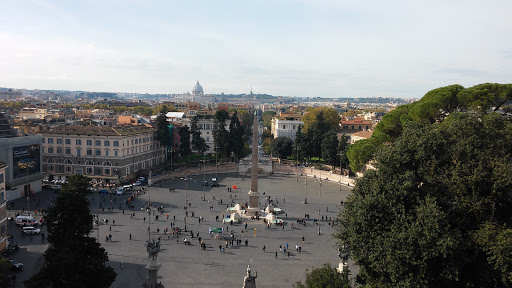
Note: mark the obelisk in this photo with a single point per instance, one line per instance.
(253, 208)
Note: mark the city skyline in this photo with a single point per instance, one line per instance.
(286, 48)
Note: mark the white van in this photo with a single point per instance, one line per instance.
(120, 191)
(26, 221)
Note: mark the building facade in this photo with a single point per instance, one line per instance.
(3, 209)
(104, 154)
(23, 157)
(285, 128)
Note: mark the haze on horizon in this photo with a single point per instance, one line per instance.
(291, 48)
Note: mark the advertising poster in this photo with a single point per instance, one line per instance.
(26, 160)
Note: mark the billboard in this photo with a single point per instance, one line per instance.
(26, 160)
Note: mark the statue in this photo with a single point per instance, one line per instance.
(153, 248)
(343, 253)
(250, 281)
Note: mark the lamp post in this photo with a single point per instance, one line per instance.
(216, 165)
(340, 154)
(204, 179)
(306, 191)
(298, 149)
(186, 179)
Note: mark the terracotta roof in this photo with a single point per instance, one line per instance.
(363, 134)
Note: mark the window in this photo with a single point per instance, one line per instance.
(116, 143)
(78, 142)
(98, 152)
(115, 153)
(89, 142)
(50, 167)
(136, 141)
(68, 169)
(107, 171)
(106, 152)
(67, 151)
(106, 143)
(50, 150)
(98, 143)
(59, 141)
(132, 141)
(59, 150)
(43, 140)
(1, 178)
(89, 171)
(78, 152)
(67, 141)
(284, 126)
(89, 152)
(50, 140)
(293, 126)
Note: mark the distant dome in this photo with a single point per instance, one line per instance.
(198, 89)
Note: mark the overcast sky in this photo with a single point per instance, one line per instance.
(290, 48)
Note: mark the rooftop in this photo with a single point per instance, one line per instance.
(98, 130)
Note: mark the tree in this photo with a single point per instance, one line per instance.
(184, 141)
(281, 147)
(437, 211)
(220, 134)
(434, 107)
(329, 117)
(198, 142)
(325, 277)
(162, 133)
(315, 135)
(343, 146)
(267, 118)
(329, 148)
(300, 143)
(236, 133)
(72, 256)
(5, 267)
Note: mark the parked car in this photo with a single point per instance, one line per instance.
(205, 183)
(29, 230)
(103, 191)
(137, 183)
(214, 182)
(120, 191)
(16, 265)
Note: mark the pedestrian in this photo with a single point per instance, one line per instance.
(121, 265)
(110, 228)
(302, 239)
(130, 236)
(114, 222)
(288, 255)
(263, 248)
(144, 219)
(109, 237)
(276, 254)
(167, 216)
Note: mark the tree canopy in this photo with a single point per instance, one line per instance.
(73, 259)
(434, 107)
(267, 118)
(329, 116)
(437, 211)
(325, 277)
(281, 147)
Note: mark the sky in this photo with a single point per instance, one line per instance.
(304, 48)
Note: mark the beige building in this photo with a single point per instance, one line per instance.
(105, 154)
(3, 209)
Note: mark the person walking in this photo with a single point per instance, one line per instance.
(130, 236)
(263, 248)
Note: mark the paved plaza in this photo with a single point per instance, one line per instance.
(188, 265)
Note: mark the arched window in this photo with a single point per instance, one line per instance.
(107, 163)
(68, 161)
(89, 162)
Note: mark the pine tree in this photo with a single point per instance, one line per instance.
(73, 259)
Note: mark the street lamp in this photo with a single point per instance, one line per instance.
(340, 154)
(306, 192)
(216, 165)
(186, 179)
(298, 149)
(204, 179)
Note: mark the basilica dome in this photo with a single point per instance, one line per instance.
(198, 89)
